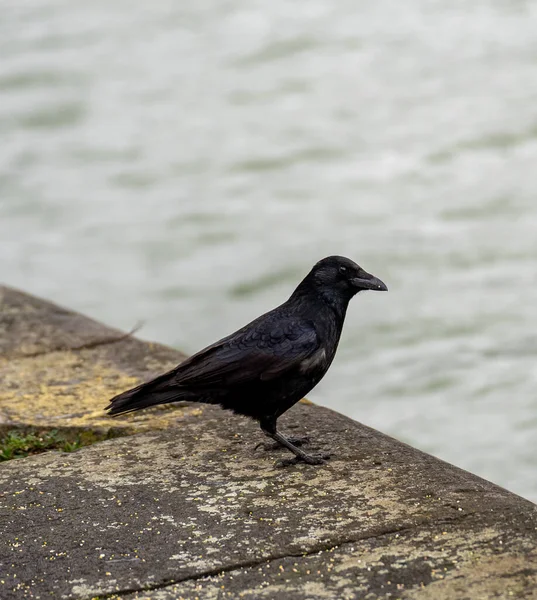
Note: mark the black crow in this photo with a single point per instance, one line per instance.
(267, 366)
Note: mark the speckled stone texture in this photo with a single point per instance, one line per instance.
(191, 510)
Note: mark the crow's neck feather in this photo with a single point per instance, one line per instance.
(307, 293)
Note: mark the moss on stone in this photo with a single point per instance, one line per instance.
(22, 442)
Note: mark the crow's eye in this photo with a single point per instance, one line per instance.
(342, 269)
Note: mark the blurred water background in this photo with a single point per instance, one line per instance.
(186, 163)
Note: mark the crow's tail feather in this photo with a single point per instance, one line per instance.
(156, 391)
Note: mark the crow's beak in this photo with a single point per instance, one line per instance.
(366, 281)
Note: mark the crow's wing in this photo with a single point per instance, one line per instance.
(264, 349)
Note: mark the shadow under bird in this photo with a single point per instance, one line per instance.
(266, 367)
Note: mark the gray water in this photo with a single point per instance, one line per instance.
(185, 164)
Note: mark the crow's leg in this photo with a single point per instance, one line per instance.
(296, 441)
(269, 428)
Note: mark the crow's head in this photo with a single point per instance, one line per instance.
(343, 277)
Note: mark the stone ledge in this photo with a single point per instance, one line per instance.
(191, 511)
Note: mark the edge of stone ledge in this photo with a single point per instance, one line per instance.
(48, 352)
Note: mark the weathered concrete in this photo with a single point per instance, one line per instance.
(192, 511)
(58, 367)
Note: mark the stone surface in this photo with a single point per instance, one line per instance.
(59, 368)
(193, 511)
